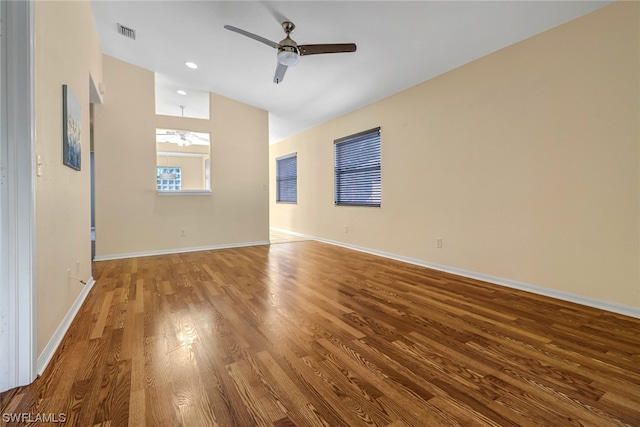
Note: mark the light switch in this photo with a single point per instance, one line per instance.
(38, 165)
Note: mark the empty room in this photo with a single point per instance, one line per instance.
(320, 213)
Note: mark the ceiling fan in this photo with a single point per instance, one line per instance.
(289, 50)
(183, 138)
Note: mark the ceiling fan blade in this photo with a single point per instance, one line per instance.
(252, 36)
(279, 76)
(314, 49)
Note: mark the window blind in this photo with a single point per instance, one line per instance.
(357, 169)
(287, 178)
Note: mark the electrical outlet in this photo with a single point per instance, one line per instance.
(183, 232)
(69, 275)
(439, 242)
(346, 228)
(77, 266)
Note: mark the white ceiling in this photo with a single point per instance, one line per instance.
(400, 44)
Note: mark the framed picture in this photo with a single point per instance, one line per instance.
(71, 115)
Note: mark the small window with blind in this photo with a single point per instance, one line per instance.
(357, 169)
(287, 179)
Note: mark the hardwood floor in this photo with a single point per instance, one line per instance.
(308, 334)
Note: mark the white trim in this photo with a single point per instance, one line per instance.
(4, 211)
(293, 233)
(184, 192)
(20, 194)
(286, 156)
(178, 250)
(564, 296)
(180, 154)
(63, 327)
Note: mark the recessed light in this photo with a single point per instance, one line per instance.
(191, 65)
(181, 92)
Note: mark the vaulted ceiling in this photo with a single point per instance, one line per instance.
(400, 44)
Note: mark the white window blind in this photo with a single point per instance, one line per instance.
(357, 169)
(287, 178)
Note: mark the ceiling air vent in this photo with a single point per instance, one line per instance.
(127, 32)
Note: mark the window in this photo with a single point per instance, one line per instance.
(287, 178)
(168, 178)
(357, 169)
(185, 154)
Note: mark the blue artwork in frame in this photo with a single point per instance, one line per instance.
(71, 120)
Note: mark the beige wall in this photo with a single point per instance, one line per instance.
(525, 162)
(67, 51)
(130, 216)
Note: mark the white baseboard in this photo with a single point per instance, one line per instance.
(177, 251)
(58, 335)
(564, 296)
(293, 233)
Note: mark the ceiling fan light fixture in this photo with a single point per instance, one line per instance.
(287, 57)
(289, 50)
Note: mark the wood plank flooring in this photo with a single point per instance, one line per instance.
(308, 334)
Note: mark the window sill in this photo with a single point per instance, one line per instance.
(184, 193)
